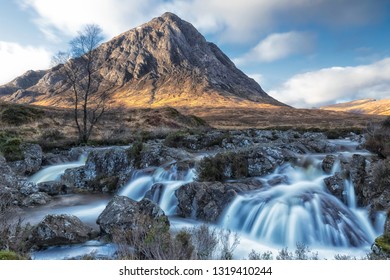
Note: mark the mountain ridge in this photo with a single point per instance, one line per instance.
(164, 62)
(362, 106)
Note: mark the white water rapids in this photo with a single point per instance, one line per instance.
(299, 209)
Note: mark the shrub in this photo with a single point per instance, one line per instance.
(223, 166)
(10, 147)
(135, 153)
(175, 139)
(20, 114)
(378, 138)
(381, 175)
(253, 255)
(9, 255)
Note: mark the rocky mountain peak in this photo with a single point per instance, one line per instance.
(165, 62)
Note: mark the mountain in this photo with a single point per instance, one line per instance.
(363, 106)
(163, 62)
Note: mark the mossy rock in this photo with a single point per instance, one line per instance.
(9, 255)
(383, 242)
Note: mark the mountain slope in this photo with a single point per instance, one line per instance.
(363, 106)
(163, 62)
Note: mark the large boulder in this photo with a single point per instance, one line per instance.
(123, 214)
(207, 200)
(32, 154)
(59, 230)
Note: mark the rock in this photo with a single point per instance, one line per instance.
(124, 214)
(386, 231)
(59, 230)
(74, 178)
(39, 198)
(254, 162)
(335, 185)
(7, 176)
(28, 188)
(357, 171)
(207, 200)
(318, 143)
(107, 162)
(32, 161)
(328, 163)
(53, 188)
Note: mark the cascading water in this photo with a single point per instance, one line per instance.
(165, 182)
(52, 173)
(295, 208)
(300, 210)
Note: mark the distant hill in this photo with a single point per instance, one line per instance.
(363, 106)
(165, 62)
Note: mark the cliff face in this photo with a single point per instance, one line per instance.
(163, 62)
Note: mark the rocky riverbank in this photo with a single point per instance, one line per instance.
(225, 164)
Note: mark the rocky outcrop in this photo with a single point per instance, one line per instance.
(254, 162)
(32, 154)
(59, 230)
(123, 214)
(206, 201)
(163, 62)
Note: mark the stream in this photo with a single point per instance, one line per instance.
(298, 209)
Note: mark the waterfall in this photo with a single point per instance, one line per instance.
(300, 210)
(54, 172)
(162, 184)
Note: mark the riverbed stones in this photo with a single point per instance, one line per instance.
(123, 214)
(59, 230)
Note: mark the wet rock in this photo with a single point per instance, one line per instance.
(32, 161)
(74, 178)
(39, 198)
(357, 171)
(328, 163)
(27, 188)
(59, 230)
(7, 176)
(207, 200)
(53, 188)
(107, 162)
(335, 185)
(318, 143)
(124, 214)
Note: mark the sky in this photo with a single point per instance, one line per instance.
(306, 53)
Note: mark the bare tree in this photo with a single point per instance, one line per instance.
(89, 91)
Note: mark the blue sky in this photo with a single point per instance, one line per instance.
(306, 53)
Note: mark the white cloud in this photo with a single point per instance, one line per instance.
(230, 21)
(278, 46)
(17, 59)
(332, 85)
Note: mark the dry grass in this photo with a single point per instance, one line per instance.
(281, 117)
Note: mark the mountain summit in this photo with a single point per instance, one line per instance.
(165, 62)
